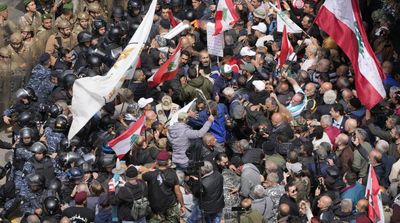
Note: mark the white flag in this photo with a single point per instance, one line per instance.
(176, 30)
(282, 19)
(91, 93)
(174, 117)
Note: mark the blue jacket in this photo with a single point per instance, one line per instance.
(218, 126)
(354, 192)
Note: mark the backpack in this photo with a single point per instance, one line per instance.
(140, 207)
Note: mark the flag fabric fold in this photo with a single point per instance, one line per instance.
(174, 118)
(283, 20)
(91, 93)
(286, 49)
(341, 20)
(124, 142)
(374, 197)
(225, 16)
(172, 19)
(168, 70)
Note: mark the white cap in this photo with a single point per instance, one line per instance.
(259, 85)
(144, 101)
(260, 27)
(246, 51)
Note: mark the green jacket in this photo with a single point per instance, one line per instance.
(189, 91)
(252, 217)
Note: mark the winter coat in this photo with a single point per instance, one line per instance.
(250, 177)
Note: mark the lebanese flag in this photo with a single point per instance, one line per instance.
(225, 16)
(341, 19)
(286, 49)
(124, 142)
(373, 194)
(168, 70)
(283, 20)
(172, 19)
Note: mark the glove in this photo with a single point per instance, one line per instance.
(111, 185)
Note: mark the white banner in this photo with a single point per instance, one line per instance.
(215, 44)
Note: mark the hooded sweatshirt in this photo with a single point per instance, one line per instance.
(179, 135)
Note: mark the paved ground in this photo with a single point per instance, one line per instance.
(4, 153)
(15, 9)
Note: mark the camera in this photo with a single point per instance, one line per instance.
(238, 209)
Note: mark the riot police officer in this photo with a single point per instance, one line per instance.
(21, 154)
(31, 194)
(51, 209)
(56, 134)
(41, 164)
(80, 51)
(134, 8)
(74, 178)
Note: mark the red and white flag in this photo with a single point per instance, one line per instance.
(341, 19)
(168, 70)
(225, 16)
(286, 49)
(172, 19)
(124, 142)
(373, 194)
(282, 19)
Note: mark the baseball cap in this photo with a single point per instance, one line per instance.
(259, 13)
(226, 69)
(259, 85)
(261, 27)
(163, 155)
(80, 197)
(246, 51)
(248, 67)
(144, 101)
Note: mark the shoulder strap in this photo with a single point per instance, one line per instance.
(265, 207)
(59, 42)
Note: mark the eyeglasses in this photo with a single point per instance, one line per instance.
(293, 191)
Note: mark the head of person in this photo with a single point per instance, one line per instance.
(196, 4)
(3, 11)
(291, 190)
(310, 89)
(336, 111)
(362, 205)
(271, 104)
(222, 160)
(342, 140)
(47, 21)
(209, 141)
(30, 6)
(207, 168)
(375, 157)
(307, 21)
(346, 206)
(324, 202)
(64, 28)
(204, 58)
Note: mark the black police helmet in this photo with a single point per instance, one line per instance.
(115, 34)
(134, 5)
(51, 205)
(84, 36)
(117, 11)
(54, 184)
(189, 15)
(26, 132)
(75, 173)
(98, 23)
(38, 147)
(55, 110)
(35, 179)
(108, 160)
(94, 61)
(61, 123)
(68, 80)
(25, 118)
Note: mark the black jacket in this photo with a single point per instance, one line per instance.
(125, 196)
(212, 196)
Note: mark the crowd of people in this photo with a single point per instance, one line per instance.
(260, 143)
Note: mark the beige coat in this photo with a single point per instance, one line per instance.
(161, 114)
